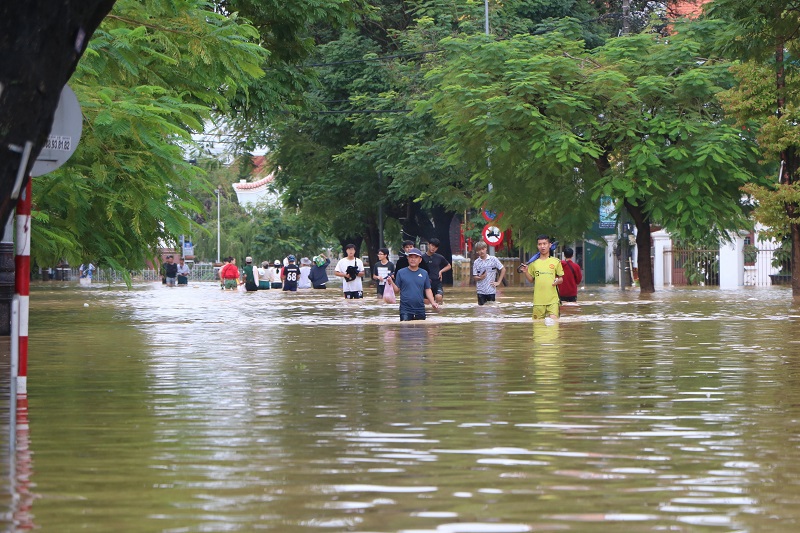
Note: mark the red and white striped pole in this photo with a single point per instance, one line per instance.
(22, 262)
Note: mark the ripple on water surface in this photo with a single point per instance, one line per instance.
(208, 410)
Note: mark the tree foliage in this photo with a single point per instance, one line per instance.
(152, 74)
(636, 119)
(371, 140)
(766, 99)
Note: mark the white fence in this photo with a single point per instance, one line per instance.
(766, 264)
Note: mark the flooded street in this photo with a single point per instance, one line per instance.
(198, 410)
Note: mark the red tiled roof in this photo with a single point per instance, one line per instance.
(254, 185)
(687, 8)
(259, 165)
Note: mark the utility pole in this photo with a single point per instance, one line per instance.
(380, 210)
(626, 17)
(218, 225)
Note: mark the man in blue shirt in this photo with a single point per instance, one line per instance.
(413, 285)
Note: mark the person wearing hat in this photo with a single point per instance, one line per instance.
(351, 269)
(250, 274)
(275, 275)
(263, 276)
(290, 275)
(305, 269)
(319, 271)
(413, 285)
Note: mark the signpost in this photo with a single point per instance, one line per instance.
(492, 235)
(64, 135)
(61, 144)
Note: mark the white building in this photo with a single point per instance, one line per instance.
(251, 193)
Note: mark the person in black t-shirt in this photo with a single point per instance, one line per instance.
(290, 275)
(170, 271)
(402, 261)
(437, 265)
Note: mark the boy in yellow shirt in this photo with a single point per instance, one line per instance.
(546, 273)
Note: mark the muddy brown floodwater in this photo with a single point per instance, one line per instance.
(197, 410)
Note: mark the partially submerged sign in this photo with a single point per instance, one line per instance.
(64, 134)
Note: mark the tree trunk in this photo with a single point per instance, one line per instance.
(643, 245)
(417, 225)
(372, 242)
(441, 230)
(355, 240)
(41, 42)
(789, 165)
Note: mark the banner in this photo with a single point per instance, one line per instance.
(608, 217)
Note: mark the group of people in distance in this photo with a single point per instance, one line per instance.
(287, 275)
(417, 276)
(173, 273)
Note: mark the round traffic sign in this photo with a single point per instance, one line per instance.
(492, 235)
(489, 216)
(64, 134)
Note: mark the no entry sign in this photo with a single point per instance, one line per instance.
(492, 235)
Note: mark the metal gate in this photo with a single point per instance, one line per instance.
(766, 264)
(691, 267)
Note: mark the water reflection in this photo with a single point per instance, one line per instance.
(201, 410)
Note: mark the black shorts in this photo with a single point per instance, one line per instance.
(483, 298)
(380, 290)
(353, 295)
(568, 298)
(437, 287)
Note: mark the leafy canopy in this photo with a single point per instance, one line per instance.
(153, 73)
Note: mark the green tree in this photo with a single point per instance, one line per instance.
(152, 74)
(636, 119)
(361, 149)
(291, 31)
(764, 36)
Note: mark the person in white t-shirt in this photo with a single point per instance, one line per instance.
(383, 268)
(305, 270)
(351, 270)
(484, 272)
(274, 275)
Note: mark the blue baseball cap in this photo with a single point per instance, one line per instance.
(414, 251)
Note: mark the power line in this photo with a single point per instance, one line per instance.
(437, 50)
(380, 58)
(357, 111)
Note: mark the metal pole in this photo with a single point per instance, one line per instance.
(626, 17)
(218, 261)
(380, 210)
(486, 15)
(22, 284)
